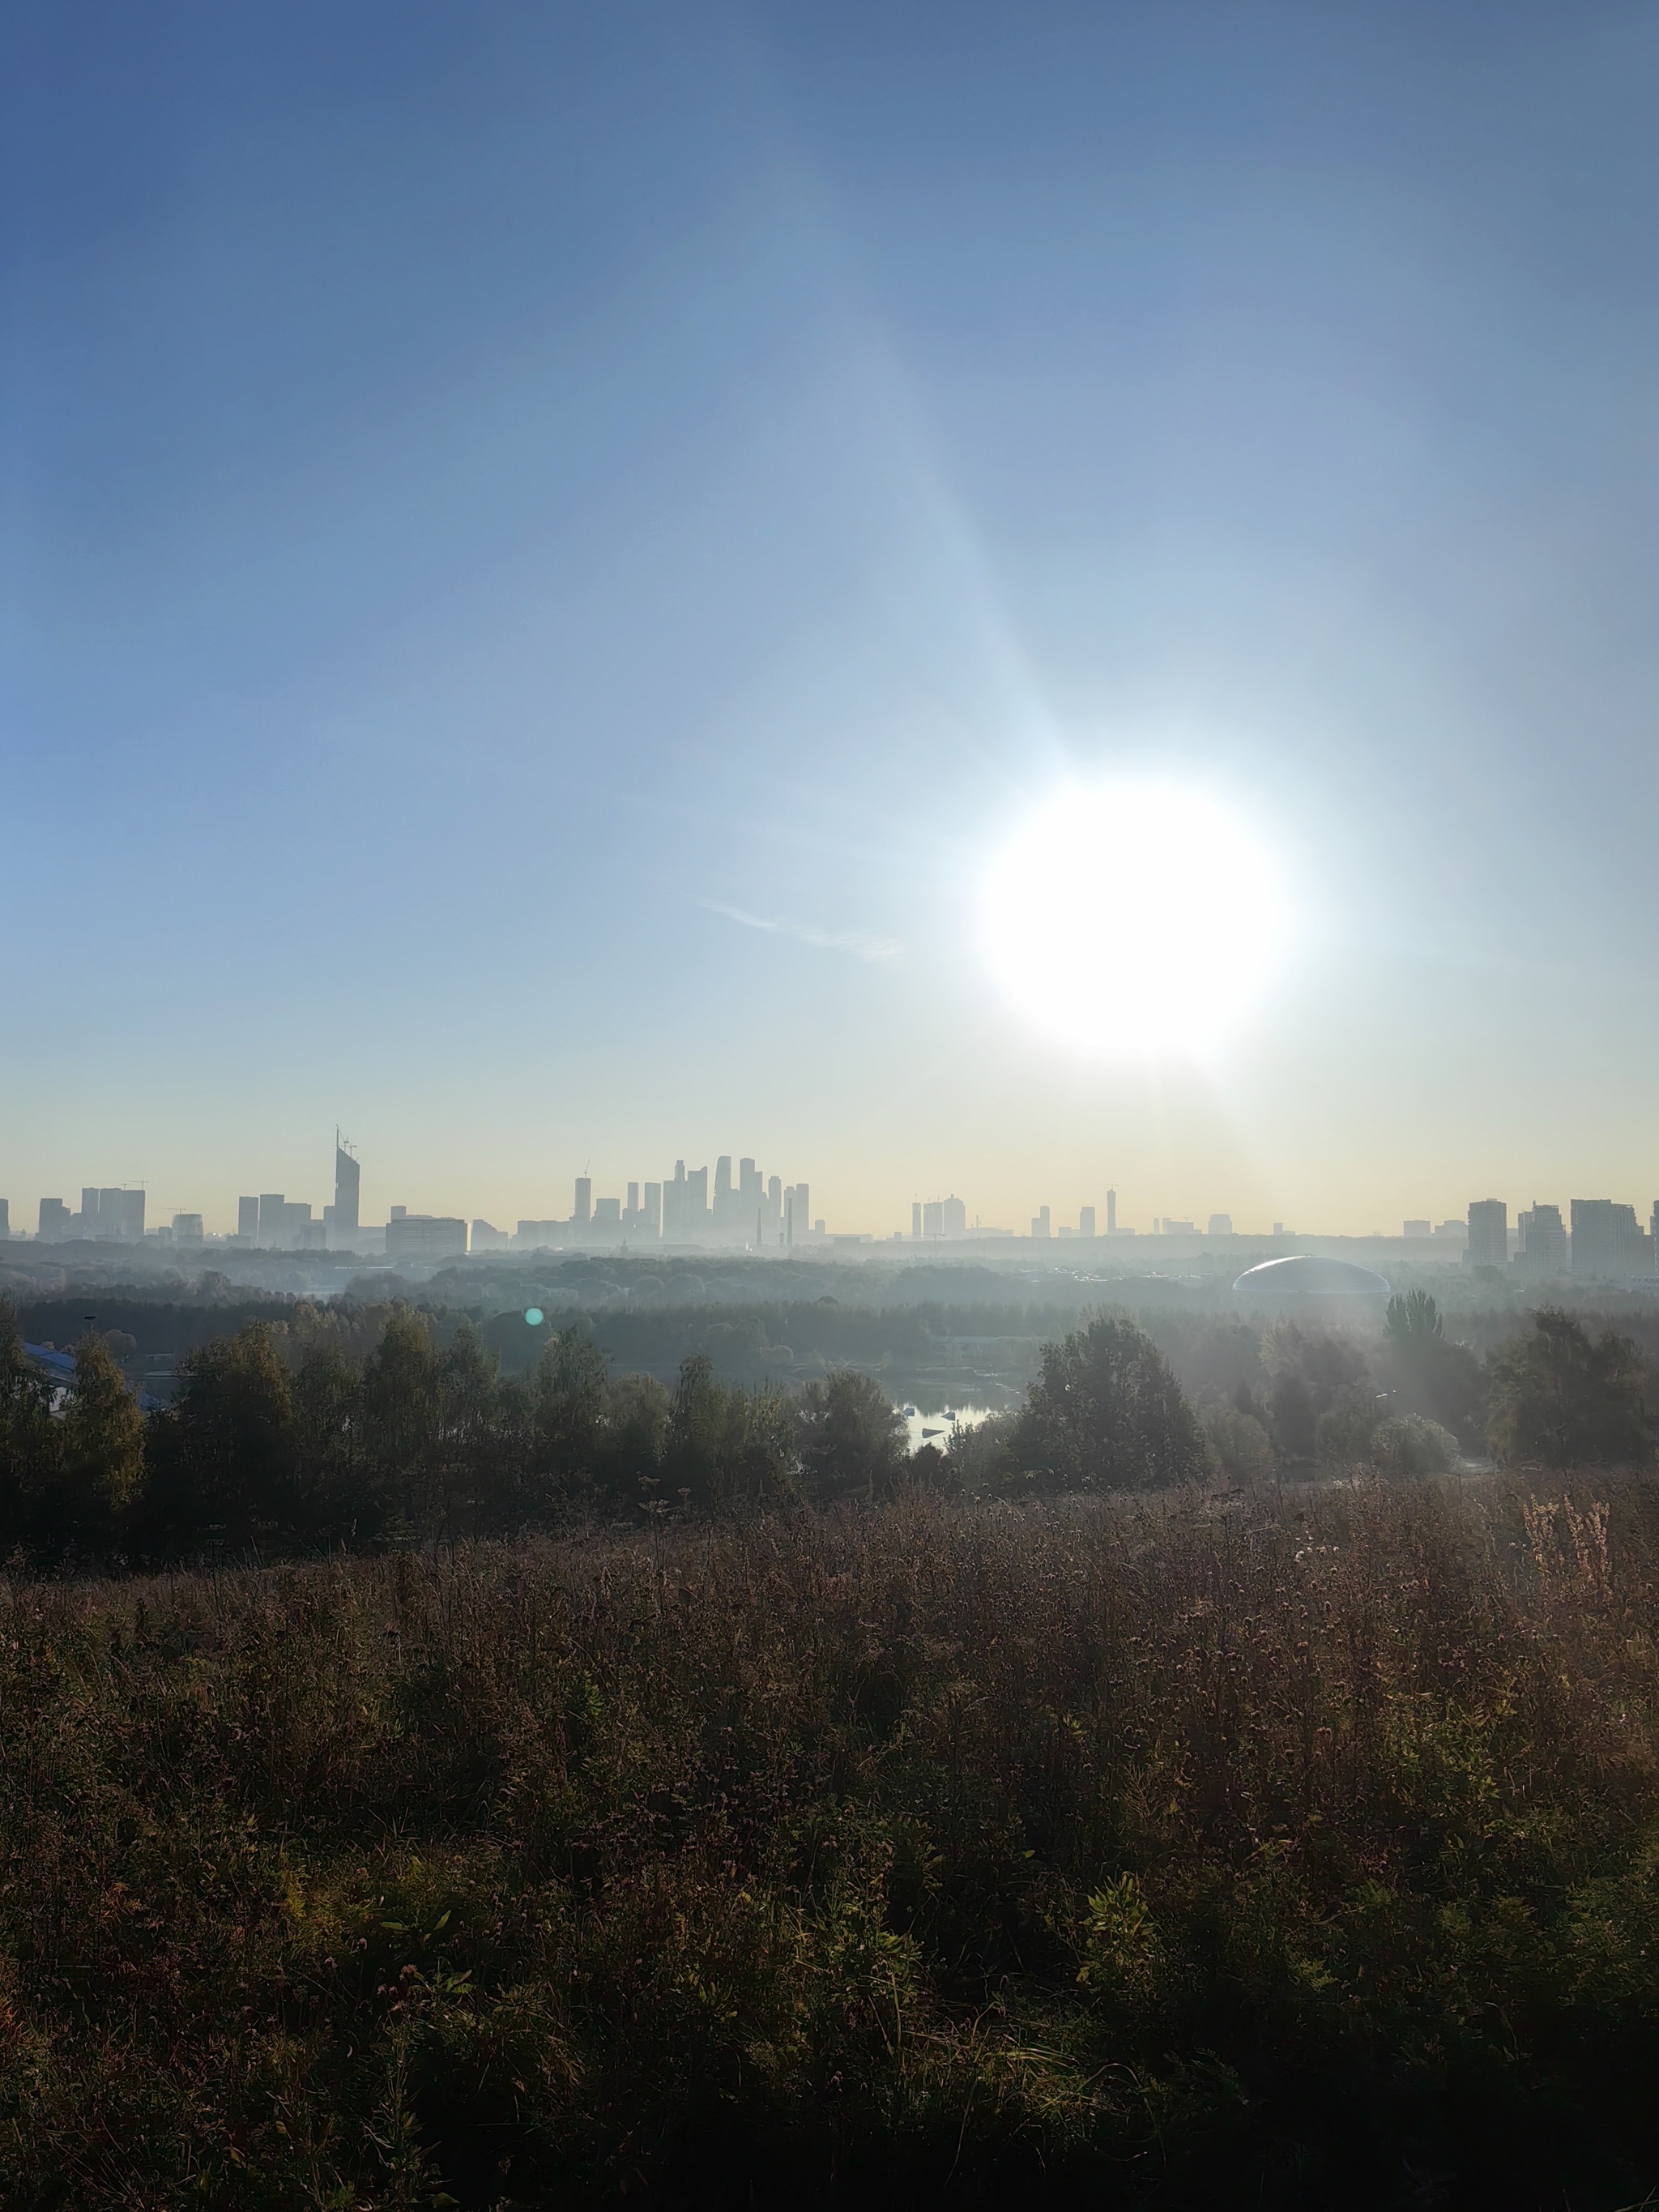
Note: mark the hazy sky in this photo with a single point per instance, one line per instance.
(542, 550)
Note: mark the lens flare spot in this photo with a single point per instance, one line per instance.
(534, 1316)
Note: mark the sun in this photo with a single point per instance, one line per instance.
(1127, 918)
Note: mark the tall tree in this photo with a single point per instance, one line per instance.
(223, 1454)
(1108, 1413)
(31, 1441)
(852, 1437)
(1560, 1399)
(101, 1471)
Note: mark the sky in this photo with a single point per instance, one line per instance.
(546, 551)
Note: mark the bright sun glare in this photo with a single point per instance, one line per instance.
(1134, 918)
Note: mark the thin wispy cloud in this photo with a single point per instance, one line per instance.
(858, 942)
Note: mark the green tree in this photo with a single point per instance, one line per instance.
(1431, 1374)
(632, 1430)
(1107, 1414)
(402, 1421)
(101, 1472)
(1558, 1398)
(224, 1453)
(1310, 1375)
(978, 1455)
(851, 1437)
(566, 1416)
(30, 1439)
(335, 1494)
(1348, 1429)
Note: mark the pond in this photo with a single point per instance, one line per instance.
(935, 1428)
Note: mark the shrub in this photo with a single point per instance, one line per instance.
(978, 1453)
(1407, 1445)
(1239, 1442)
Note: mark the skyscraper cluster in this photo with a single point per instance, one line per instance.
(761, 1213)
(1601, 1240)
(106, 1217)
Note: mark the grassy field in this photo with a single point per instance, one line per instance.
(1207, 1852)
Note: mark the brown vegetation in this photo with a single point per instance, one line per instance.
(1199, 1852)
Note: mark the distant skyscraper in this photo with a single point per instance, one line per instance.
(673, 1205)
(5, 1217)
(120, 1215)
(348, 1180)
(1039, 1223)
(916, 1220)
(1086, 1221)
(1111, 1213)
(247, 1220)
(55, 1219)
(1489, 1234)
(1543, 1240)
(632, 1206)
(186, 1228)
(1221, 1225)
(1608, 1243)
(425, 1236)
(583, 1211)
(653, 1223)
(952, 1216)
(797, 1213)
(273, 1221)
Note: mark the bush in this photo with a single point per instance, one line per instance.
(1407, 1445)
(978, 1453)
(1240, 1443)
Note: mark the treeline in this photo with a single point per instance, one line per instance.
(1562, 1390)
(303, 1437)
(647, 1339)
(342, 1428)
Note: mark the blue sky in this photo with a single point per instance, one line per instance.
(495, 503)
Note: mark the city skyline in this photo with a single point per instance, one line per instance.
(752, 1210)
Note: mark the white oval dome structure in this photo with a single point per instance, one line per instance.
(1334, 1290)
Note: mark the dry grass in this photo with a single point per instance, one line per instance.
(1204, 1852)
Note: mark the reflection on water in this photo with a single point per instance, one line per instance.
(935, 1428)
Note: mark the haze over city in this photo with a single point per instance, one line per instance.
(997, 601)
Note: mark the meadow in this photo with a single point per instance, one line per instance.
(1202, 1849)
